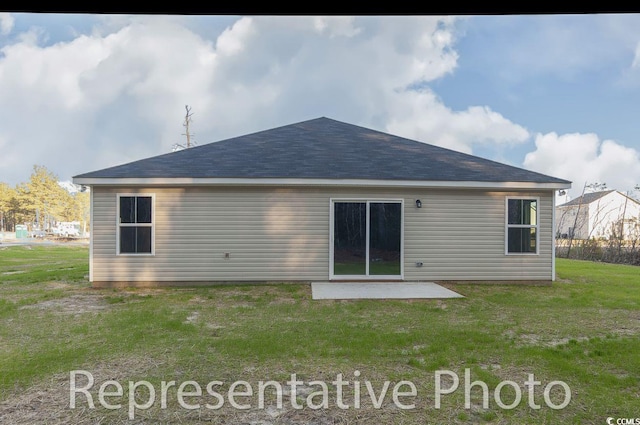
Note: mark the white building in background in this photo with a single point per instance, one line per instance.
(607, 214)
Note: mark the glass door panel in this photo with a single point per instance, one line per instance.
(350, 238)
(385, 228)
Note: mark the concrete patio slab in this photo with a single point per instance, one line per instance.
(379, 290)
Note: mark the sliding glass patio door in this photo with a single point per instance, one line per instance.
(366, 239)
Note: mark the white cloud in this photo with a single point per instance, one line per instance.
(98, 100)
(118, 93)
(6, 23)
(231, 41)
(584, 158)
(336, 26)
(421, 116)
(636, 58)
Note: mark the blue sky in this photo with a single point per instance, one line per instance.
(556, 94)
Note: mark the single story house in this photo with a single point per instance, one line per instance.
(315, 201)
(607, 214)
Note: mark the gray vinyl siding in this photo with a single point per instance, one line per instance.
(460, 235)
(282, 234)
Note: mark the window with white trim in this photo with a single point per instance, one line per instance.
(522, 226)
(135, 224)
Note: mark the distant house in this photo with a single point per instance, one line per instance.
(607, 214)
(319, 200)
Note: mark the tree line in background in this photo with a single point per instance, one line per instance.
(41, 203)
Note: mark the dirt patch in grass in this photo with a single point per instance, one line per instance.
(48, 402)
(13, 272)
(58, 285)
(598, 323)
(74, 304)
(539, 340)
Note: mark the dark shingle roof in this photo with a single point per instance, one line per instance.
(322, 148)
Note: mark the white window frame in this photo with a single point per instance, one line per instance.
(152, 225)
(508, 226)
(366, 276)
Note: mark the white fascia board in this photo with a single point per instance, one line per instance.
(186, 181)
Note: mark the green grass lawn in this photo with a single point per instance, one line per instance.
(390, 268)
(582, 330)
